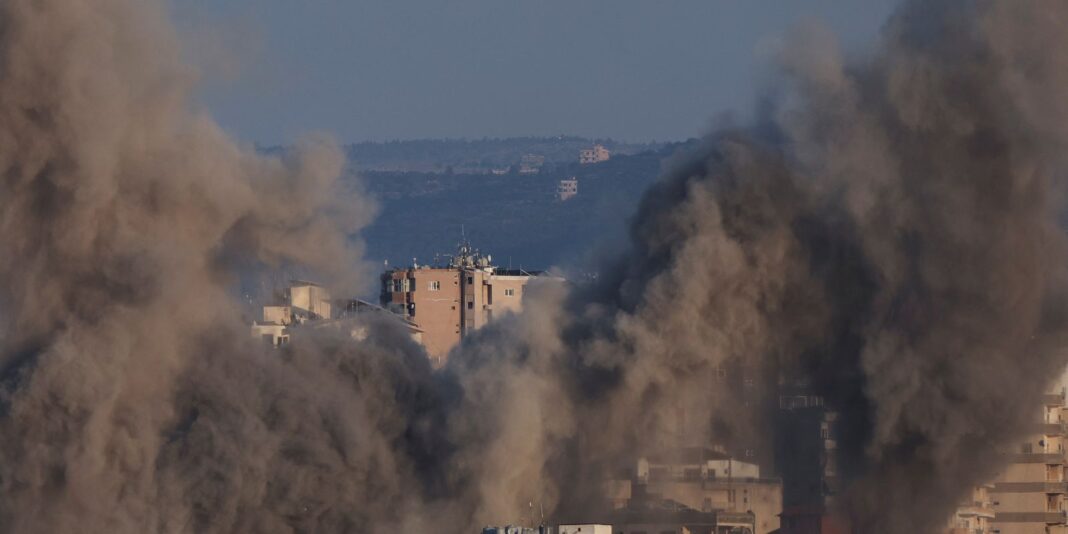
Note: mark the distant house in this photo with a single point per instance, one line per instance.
(596, 154)
(566, 189)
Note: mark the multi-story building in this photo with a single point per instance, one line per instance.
(566, 189)
(1029, 493)
(595, 154)
(303, 301)
(450, 301)
(806, 459)
(705, 480)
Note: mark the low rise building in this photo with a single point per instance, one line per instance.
(670, 517)
(517, 530)
(309, 305)
(704, 480)
(594, 154)
(585, 529)
(566, 189)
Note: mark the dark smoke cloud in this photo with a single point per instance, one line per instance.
(886, 231)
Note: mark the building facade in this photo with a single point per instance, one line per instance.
(566, 189)
(594, 154)
(585, 529)
(1029, 493)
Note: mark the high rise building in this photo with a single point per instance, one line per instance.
(806, 459)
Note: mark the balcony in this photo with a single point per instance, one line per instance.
(1049, 518)
(1031, 487)
(1036, 458)
(1050, 429)
(976, 509)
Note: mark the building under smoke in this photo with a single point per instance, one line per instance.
(448, 302)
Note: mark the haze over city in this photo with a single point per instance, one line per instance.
(543, 267)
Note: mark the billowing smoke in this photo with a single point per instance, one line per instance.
(887, 231)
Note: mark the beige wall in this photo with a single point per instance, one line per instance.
(277, 314)
(270, 333)
(437, 311)
(310, 299)
(503, 302)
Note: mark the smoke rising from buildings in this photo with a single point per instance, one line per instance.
(887, 231)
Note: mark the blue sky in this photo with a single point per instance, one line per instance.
(402, 69)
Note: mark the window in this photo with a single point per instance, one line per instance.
(509, 292)
(470, 304)
(470, 279)
(434, 285)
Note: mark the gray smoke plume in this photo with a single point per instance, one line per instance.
(887, 231)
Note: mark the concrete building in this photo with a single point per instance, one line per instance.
(1029, 493)
(308, 300)
(595, 154)
(806, 459)
(584, 529)
(272, 334)
(303, 301)
(705, 480)
(566, 189)
(447, 302)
